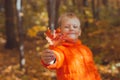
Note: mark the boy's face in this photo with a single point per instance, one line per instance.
(71, 28)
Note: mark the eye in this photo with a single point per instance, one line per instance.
(66, 26)
(75, 26)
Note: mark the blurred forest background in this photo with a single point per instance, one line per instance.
(22, 37)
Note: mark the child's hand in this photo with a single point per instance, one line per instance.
(48, 56)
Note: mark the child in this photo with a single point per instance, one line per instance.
(69, 57)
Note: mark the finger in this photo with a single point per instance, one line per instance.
(49, 51)
(48, 57)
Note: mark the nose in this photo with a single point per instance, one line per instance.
(71, 27)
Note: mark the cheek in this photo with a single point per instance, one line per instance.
(64, 30)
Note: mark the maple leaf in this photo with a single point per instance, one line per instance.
(56, 38)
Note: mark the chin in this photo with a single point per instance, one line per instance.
(73, 37)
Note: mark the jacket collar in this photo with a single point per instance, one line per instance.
(71, 43)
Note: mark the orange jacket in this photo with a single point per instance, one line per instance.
(74, 62)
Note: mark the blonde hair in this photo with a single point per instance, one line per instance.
(66, 15)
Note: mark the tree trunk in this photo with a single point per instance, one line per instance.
(105, 3)
(78, 4)
(93, 8)
(85, 5)
(10, 24)
(56, 11)
(98, 10)
(118, 5)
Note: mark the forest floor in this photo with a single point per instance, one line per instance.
(106, 52)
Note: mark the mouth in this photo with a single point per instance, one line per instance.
(72, 35)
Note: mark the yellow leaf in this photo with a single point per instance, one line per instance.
(90, 20)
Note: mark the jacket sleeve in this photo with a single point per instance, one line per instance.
(58, 51)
